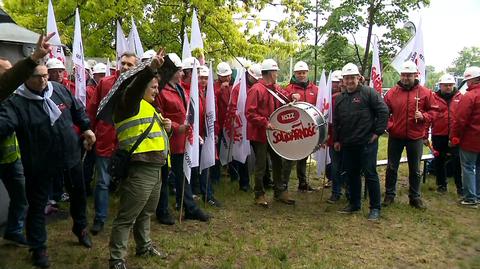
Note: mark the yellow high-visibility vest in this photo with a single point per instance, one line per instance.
(9, 151)
(130, 129)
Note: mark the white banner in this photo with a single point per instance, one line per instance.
(79, 63)
(241, 146)
(57, 50)
(191, 156)
(121, 44)
(208, 149)
(376, 72)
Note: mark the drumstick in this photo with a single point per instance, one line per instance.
(416, 105)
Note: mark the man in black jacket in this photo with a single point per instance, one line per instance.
(360, 118)
(42, 114)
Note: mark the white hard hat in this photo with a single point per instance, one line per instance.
(99, 68)
(447, 79)
(300, 66)
(337, 76)
(54, 63)
(203, 71)
(189, 62)
(175, 59)
(255, 70)
(409, 67)
(223, 69)
(148, 54)
(87, 65)
(471, 72)
(269, 64)
(350, 69)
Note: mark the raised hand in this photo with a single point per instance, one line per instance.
(43, 47)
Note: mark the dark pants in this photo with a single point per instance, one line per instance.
(88, 167)
(241, 172)
(14, 181)
(162, 207)
(337, 175)
(357, 160)
(182, 183)
(37, 187)
(414, 156)
(440, 144)
(302, 171)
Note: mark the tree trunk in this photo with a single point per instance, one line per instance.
(371, 15)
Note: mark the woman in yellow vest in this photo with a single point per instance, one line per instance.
(140, 191)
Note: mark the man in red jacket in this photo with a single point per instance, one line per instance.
(106, 141)
(259, 106)
(411, 108)
(308, 91)
(56, 72)
(466, 133)
(447, 99)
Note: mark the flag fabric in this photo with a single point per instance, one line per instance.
(208, 150)
(134, 42)
(186, 51)
(57, 50)
(403, 55)
(376, 72)
(121, 44)
(417, 55)
(109, 66)
(241, 145)
(323, 103)
(79, 62)
(196, 41)
(191, 156)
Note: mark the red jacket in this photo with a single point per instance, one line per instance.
(172, 106)
(91, 90)
(70, 85)
(466, 122)
(402, 106)
(104, 132)
(330, 125)
(442, 122)
(222, 95)
(308, 94)
(259, 106)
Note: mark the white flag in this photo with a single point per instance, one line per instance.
(323, 103)
(109, 66)
(376, 72)
(134, 42)
(403, 55)
(196, 41)
(186, 51)
(208, 149)
(57, 50)
(241, 146)
(121, 44)
(191, 156)
(417, 56)
(78, 62)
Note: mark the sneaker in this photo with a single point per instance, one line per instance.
(261, 200)
(84, 239)
(40, 258)
(349, 210)
(374, 214)
(97, 227)
(152, 252)
(166, 219)
(117, 264)
(469, 203)
(197, 215)
(388, 200)
(305, 187)
(285, 198)
(214, 202)
(18, 239)
(442, 189)
(333, 199)
(417, 203)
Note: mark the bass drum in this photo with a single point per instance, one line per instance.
(300, 129)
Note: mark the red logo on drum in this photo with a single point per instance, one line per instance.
(288, 116)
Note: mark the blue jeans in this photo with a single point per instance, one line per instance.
(162, 207)
(14, 181)
(101, 189)
(470, 174)
(182, 183)
(338, 178)
(357, 160)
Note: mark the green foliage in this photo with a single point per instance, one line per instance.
(466, 57)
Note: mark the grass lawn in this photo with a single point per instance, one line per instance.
(310, 234)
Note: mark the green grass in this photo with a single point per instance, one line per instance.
(310, 234)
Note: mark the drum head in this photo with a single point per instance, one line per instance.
(299, 129)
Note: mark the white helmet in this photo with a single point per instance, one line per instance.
(337, 76)
(189, 63)
(300, 66)
(203, 71)
(350, 69)
(148, 54)
(269, 64)
(255, 70)
(447, 79)
(54, 63)
(471, 72)
(100, 68)
(87, 65)
(409, 67)
(175, 59)
(223, 69)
